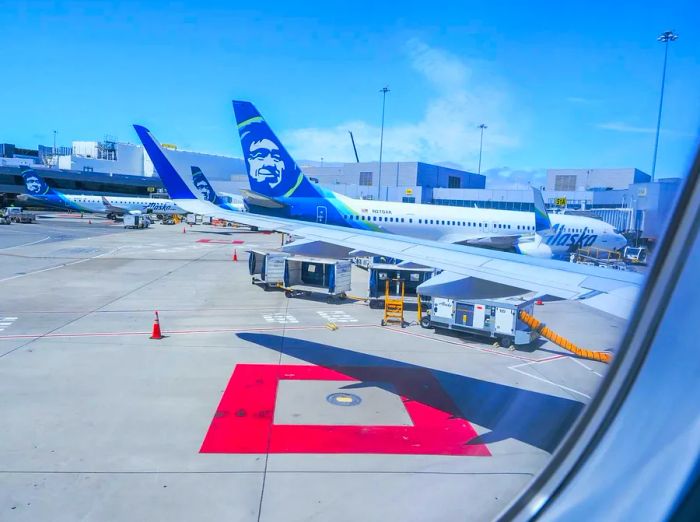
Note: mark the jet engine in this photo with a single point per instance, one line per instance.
(534, 247)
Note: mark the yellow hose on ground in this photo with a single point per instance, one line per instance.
(557, 339)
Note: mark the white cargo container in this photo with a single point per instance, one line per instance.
(267, 268)
(494, 318)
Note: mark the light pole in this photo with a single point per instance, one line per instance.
(481, 143)
(383, 90)
(665, 37)
(54, 158)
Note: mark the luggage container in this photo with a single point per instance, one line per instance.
(494, 318)
(306, 275)
(379, 273)
(267, 268)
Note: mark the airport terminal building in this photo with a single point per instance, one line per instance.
(623, 197)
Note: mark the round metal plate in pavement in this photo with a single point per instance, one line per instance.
(344, 399)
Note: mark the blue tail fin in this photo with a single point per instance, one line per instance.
(271, 170)
(174, 183)
(202, 184)
(542, 221)
(35, 184)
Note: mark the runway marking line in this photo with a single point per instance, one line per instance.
(175, 332)
(58, 266)
(6, 321)
(27, 244)
(280, 318)
(244, 419)
(336, 316)
(517, 369)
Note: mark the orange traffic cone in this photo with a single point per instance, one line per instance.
(156, 328)
(235, 254)
(184, 230)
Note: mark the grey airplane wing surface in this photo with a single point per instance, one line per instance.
(613, 291)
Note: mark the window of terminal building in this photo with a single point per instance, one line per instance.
(366, 178)
(408, 199)
(454, 182)
(562, 182)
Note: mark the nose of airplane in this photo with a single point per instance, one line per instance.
(620, 241)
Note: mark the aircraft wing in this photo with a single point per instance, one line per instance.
(613, 291)
(485, 240)
(546, 276)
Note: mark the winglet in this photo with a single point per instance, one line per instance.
(174, 183)
(542, 221)
(271, 170)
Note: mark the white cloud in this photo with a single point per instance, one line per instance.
(515, 179)
(618, 126)
(580, 100)
(447, 132)
(624, 127)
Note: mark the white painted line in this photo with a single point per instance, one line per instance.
(9, 318)
(280, 318)
(5, 324)
(585, 366)
(27, 244)
(337, 316)
(59, 266)
(542, 379)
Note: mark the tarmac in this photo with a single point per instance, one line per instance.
(251, 407)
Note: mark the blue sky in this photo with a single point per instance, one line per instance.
(573, 84)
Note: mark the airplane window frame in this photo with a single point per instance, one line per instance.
(551, 486)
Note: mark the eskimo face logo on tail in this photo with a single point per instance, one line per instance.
(203, 185)
(271, 171)
(35, 185)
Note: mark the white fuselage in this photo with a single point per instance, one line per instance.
(130, 204)
(489, 227)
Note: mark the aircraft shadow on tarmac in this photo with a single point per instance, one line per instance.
(534, 418)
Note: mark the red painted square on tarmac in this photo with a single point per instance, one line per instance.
(222, 241)
(244, 420)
